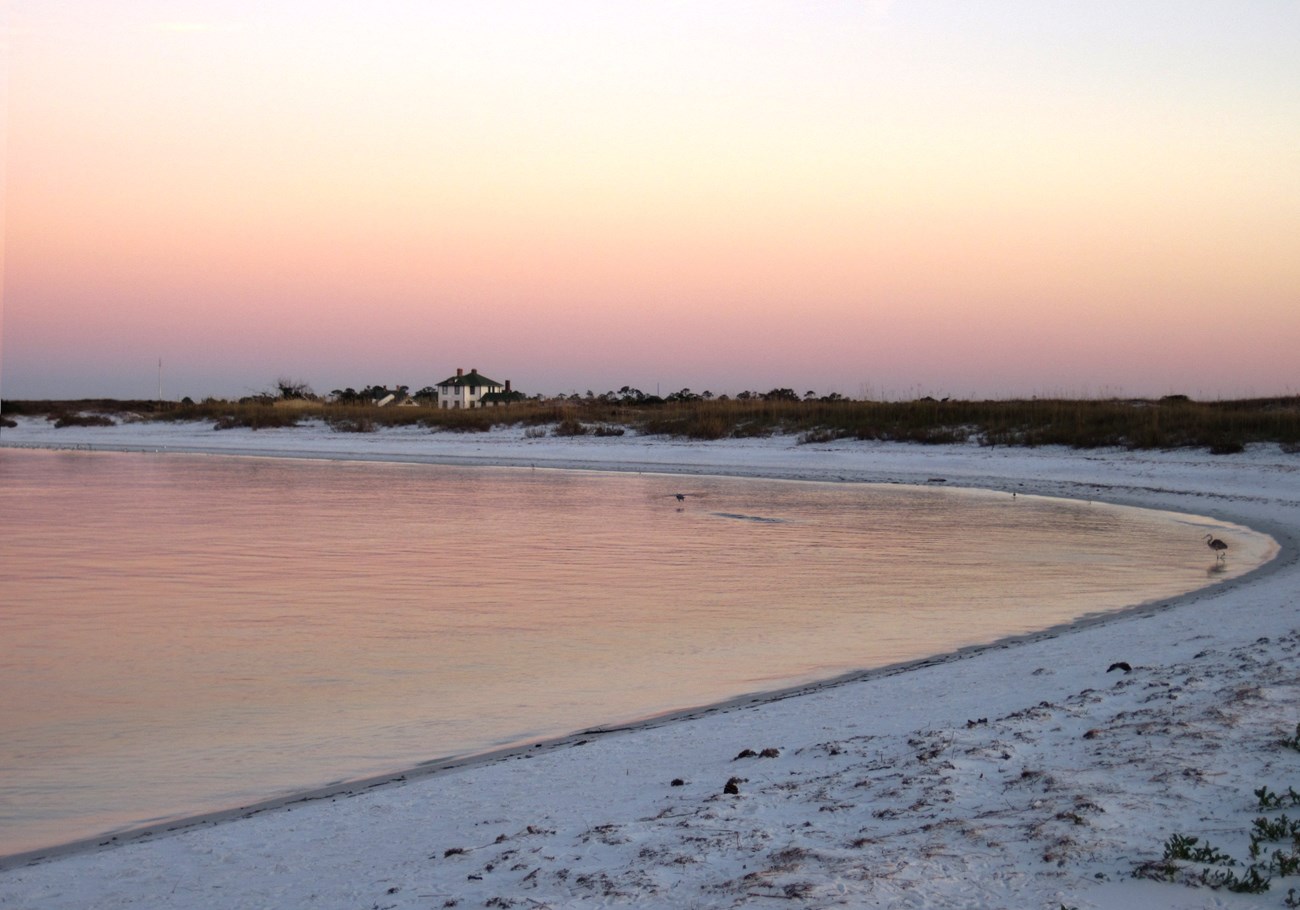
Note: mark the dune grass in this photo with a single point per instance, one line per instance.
(1222, 427)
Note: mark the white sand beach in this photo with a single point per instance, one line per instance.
(1024, 774)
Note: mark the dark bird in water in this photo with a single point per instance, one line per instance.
(1219, 547)
(681, 497)
(1120, 665)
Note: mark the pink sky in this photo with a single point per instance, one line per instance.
(881, 199)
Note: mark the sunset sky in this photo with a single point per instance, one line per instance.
(976, 198)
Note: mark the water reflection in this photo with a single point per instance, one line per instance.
(758, 518)
(188, 632)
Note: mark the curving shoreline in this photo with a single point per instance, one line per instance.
(441, 765)
(1260, 490)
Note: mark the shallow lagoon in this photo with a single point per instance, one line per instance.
(184, 633)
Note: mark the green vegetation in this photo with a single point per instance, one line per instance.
(1292, 742)
(1222, 427)
(83, 420)
(1216, 867)
(1270, 800)
(1274, 851)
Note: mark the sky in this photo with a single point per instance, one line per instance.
(880, 199)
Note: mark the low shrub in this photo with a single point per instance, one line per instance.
(1291, 742)
(750, 429)
(257, 417)
(822, 434)
(1270, 800)
(81, 420)
(1218, 869)
(467, 426)
(456, 420)
(359, 424)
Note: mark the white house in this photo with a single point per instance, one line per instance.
(467, 390)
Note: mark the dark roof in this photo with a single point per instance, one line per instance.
(473, 379)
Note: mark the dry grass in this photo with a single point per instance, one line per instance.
(1174, 422)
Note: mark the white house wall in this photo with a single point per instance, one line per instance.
(449, 397)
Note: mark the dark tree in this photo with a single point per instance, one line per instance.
(293, 389)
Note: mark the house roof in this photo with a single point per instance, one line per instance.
(473, 379)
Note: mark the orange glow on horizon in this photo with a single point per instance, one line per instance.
(821, 194)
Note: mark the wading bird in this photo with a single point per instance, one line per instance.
(1219, 547)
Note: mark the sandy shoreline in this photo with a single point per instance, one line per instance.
(957, 697)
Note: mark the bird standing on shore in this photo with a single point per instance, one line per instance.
(1219, 547)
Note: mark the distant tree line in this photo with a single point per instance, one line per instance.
(629, 395)
(296, 390)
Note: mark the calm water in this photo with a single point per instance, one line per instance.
(185, 633)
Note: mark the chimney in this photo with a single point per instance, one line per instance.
(507, 385)
(460, 371)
